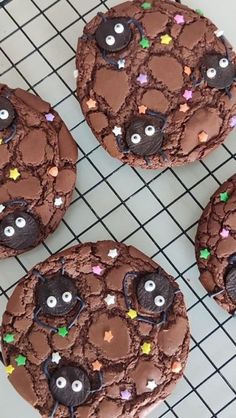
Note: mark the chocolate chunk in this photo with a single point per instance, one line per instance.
(7, 113)
(230, 284)
(113, 35)
(218, 71)
(19, 230)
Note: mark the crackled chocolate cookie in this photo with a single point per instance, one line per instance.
(156, 83)
(37, 170)
(97, 331)
(216, 246)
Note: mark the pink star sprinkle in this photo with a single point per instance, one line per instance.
(224, 233)
(125, 395)
(232, 122)
(179, 19)
(142, 78)
(97, 270)
(188, 94)
(49, 117)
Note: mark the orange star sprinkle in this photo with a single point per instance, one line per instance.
(142, 109)
(184, 108)
(187, 70)
(203, 137)
(92, 104)
(96, 366)
(108, 336)
(53, 171)
(176, 367)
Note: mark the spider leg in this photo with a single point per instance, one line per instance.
(45, 367)
(54, 410)
(125, 287)
(41, 323)
(62, 261)
(103, 17)
(228, 92)
(121, 145)
(38, 275)
(100, 375)
(138, 26)
(109, 60)
(217, 293)
(151, 321)
(72, 412)
(15, 202)
(147, 161)
(12, 134)
(82, 305)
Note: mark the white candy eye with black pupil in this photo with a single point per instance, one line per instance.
(9, 231)
(20, 222)
(150, 130)
(51, 301)
(61, 382)
(159, 300)
(211, 72)
(4, 114)
(77, 386)
(110, 40)
(119, 28)
(67, 297)
(149, 286)
(223, 63)
(135, 138)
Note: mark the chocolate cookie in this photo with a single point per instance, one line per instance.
(97, 331)
(216, 246)
(37, 170)
(156, 83)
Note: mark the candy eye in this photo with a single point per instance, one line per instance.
(223, 63)
(211, 72)
(20, 222)
(159, 300)
(9, 231)
(150, 130)
(61, 382)
(135, 138)
(4, 114)
(110, 40)
(149, 286)
(119, 28)
(67, 297)
(77, 386)
(51, 302)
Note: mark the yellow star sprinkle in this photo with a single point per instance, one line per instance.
(1, 141)
(166, 39)
(9, 369)
(146, 348)
(132, 314)
(14, 174)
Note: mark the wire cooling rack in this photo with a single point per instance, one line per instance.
(157, 211)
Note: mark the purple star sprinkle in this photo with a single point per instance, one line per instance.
(188, 94)
(142, 78)
(179, 19)
(49, 117)
(232, 122)
(125, 395)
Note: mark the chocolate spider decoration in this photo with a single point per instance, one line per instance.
(7, 120)
(144, 136)
(57, 296)
(70, 386)
(154, 294)
(19, 230)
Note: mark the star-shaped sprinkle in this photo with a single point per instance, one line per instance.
(184, 108)
(56, 357)
(96, 366)
(21, 360)
(146, 5)
(146, 348)
(58, 202)
(176, 367)
(151, 384)
(179, 19)
(110, 300)
(187, 70)
(199, 12)
(224, 197)
(142, 109)
(188, 94)
(166, 39)
(2, 208)
(63, 332)
(76, 74)
(117, 130)
(142, 79)
(132, 314)
(224, 233)
(113, 253)
(9, 369)
(97, 270)
(125, 395)
(121, 63)
(218, 33)
(232, 122)
(49, 117)
(203, 137)
(108, 336)
(92, 104)
(9, 338)
(53, 171)
(144, 43)
(205, 254)
(14, 174)
(1, 141)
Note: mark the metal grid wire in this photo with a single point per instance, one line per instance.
(155, 210)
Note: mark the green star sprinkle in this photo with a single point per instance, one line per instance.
(21, 360)
(199, 12)
(224, 197)
(205, 253)
(63, 332)
(9, 338)
(144, 43)
(146, 6)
